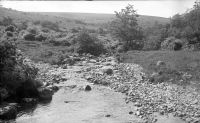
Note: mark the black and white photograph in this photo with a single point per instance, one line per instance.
(93, 61)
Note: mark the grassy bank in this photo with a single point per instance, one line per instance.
(182, 61)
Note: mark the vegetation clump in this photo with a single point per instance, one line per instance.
(88, 44)
(127, 30)
(15, 69)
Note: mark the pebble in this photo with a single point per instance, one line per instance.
(107, 115)
(130, 112)
(88, 88)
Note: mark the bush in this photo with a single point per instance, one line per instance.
(50, 25)
(88, 44)
(9, 34)
(75, 30)
(29, 37)
(6, 21)
(32, 30)
(152, 43)
(14, 68)
(22, 25)
(40, 37)
(80, 22)
(10, 28)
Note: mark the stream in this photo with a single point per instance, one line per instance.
(72, 104)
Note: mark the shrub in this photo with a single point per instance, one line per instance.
(46, 30)
(29, 37)
(6, 21)
(40, 37)
(50, 25)
(33, 30)
(23, 25)
(36, 22)
(14, 68)
(9, 34)
(10, 28)
(75, 30)
(152, 43)
(61, 42)
(79, 22)
(88, 44)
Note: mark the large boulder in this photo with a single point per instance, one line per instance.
(88, 88)
(8, 111)
(45, 93)
(172, 43)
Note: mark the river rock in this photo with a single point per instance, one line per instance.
(88, 88)
(69, 61)
(64, 66)
(107, 69)
(53, 87)
(45, 93)
(160, 63)
(92, 61)
(8, 111)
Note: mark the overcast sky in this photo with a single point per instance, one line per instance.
(164, 8)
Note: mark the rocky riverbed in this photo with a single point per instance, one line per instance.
(141, 101)
(149, 98)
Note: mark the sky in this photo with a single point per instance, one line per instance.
(161, 8)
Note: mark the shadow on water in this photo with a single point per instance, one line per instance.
(28, 109)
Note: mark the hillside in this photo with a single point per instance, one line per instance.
(19, 16)
(75, 19)
(144, 20)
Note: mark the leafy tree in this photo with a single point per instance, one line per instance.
(126, 29)
(193, 23)
(193, 17)
(178, 21)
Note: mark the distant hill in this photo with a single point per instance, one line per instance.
(144, 20)
(19, 16)
(75, 19)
